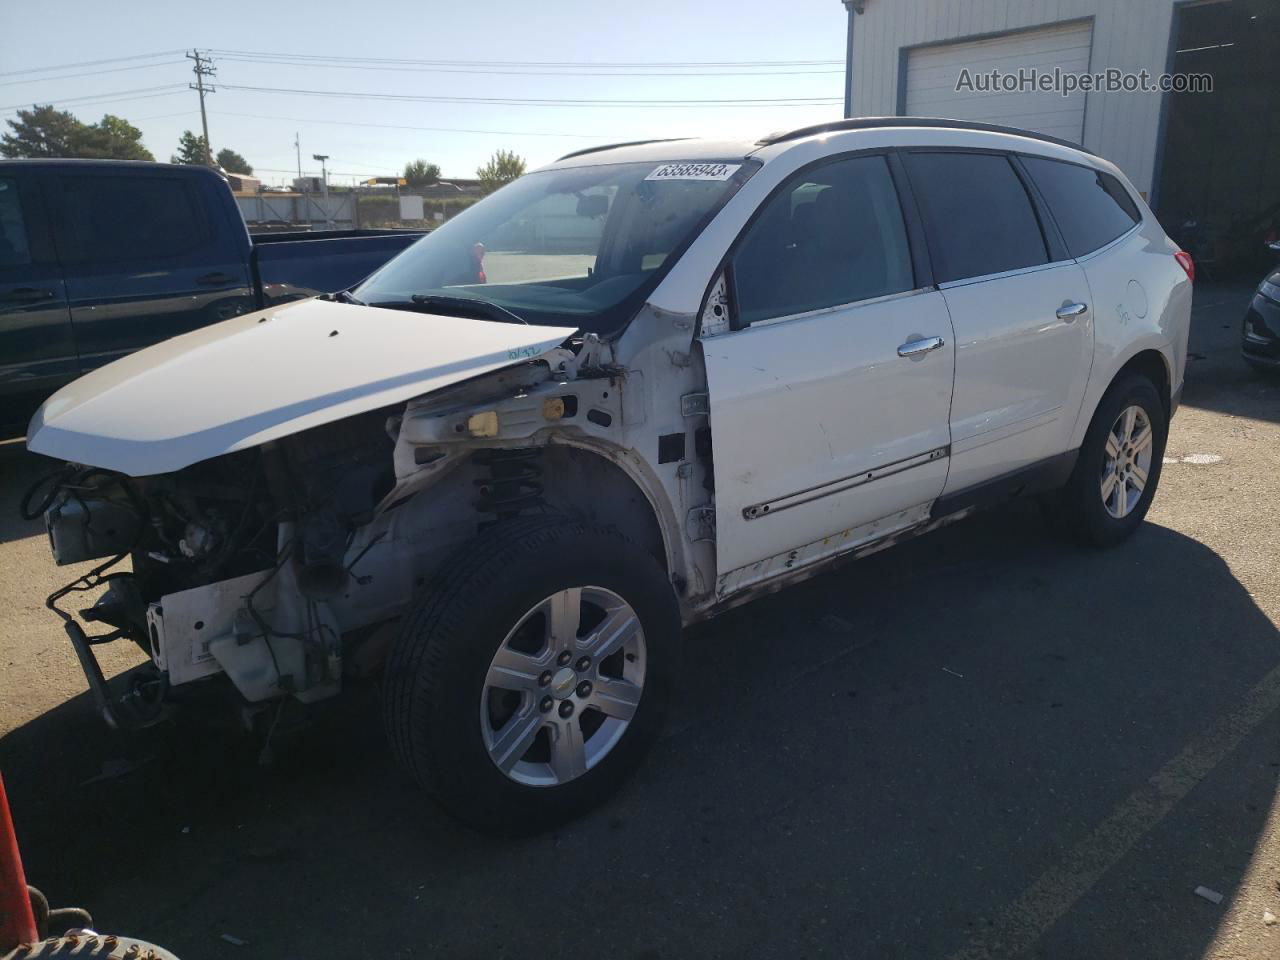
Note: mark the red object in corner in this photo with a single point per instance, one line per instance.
(17, 925)
(1187, 263)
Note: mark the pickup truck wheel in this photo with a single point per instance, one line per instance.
(531, 676)
(1118, 470)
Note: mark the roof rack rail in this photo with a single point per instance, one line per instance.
(873, 123)
(615, 146)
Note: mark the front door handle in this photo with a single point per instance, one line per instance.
(216, 278)
(1069, 311)
(918, 348)
(26, 295)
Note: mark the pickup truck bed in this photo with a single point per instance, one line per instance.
(99, 258)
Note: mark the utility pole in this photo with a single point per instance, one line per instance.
(297, 146)
(203, 67)
(854, 7)
(324, 187)
(324, 174)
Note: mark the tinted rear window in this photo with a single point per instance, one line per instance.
(1091, 207)
(131, 218)
(977, 213)
(14, 249)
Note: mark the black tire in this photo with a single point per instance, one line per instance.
(1080, 511)
(435, 674)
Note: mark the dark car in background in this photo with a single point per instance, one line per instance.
(1260, 343)
(100, 258)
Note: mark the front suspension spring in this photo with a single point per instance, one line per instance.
(514, 483)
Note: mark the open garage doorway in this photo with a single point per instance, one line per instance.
(1218, 190)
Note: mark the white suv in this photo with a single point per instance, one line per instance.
(624, 393)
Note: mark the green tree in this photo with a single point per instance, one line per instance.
(503, 167)
(112, 138)
(232, 162)
(45, 132)
(41, 132)
(191, 149)
(419, 173)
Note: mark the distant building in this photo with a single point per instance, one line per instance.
(244, 185)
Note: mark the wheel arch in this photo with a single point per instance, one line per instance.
(1153, 360)
(609, 486)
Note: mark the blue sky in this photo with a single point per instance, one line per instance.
(366, 137)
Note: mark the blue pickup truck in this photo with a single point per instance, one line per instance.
(99, 258)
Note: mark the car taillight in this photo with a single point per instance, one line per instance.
(1189, 265)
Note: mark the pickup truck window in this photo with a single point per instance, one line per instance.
(977, 214)
(832, 235)
(15, 250)
(116, 218)
(582, 245)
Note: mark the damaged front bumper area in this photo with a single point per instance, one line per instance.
(212, 574)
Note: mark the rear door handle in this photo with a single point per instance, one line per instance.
(215, 279)
(918, 348)
(26, 295)
(1069, 311)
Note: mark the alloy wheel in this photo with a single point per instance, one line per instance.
(563, 686)
(1129, 448)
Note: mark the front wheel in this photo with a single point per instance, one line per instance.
(1118, 470)
(530, 677)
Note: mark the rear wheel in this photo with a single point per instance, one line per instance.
(1118, 470)
(530, 677)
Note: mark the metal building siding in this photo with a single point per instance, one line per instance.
(930, 83)
(1130, 36)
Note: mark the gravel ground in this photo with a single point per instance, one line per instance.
(982, 743)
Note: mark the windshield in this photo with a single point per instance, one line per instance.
(582, 246)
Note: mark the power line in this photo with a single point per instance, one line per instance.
(534, 63)
(401, 126)
(523, 102)
(517, 72)
(145, 93)
(91, 63)
(91, 73)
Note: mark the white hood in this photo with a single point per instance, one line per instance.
(266, 375)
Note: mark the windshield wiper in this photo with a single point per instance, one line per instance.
(342, 296)
(485, 308)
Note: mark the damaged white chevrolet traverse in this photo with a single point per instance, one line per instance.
(622, 394)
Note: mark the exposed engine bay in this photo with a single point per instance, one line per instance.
(272, 568)
(270, 527)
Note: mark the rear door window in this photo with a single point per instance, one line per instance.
(832, 235)
(111, 219)
(977, 213)
(15, 247)
(1091, 207)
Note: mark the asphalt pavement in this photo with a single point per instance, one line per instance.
(982, 743)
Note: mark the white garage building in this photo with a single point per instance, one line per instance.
(1213, 156)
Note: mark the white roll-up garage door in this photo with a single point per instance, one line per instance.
(933, 71)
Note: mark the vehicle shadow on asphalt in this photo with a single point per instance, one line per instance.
(875, 763)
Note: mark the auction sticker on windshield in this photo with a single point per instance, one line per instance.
(694, 171)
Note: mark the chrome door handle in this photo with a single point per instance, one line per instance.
(918, 348)
(1069, 311)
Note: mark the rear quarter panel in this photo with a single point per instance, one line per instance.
(1141, 301)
